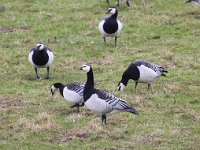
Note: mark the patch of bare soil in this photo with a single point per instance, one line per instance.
(8, 30)
(7, 104)
(71, 134)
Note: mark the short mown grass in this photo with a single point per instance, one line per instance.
(160, 31)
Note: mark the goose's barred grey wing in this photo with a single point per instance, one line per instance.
(147, 64)
(152, 66)
(115, 102)
(77, 87)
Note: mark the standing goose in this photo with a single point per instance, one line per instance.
(41, 57)
(110, 26)
(72, 92)
(127, 2)
(99, 101)
(141, 71)
(196, 2)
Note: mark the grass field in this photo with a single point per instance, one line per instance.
(165, 32)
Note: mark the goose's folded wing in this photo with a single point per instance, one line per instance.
(115, 102)
(77, 87)
(147, 64)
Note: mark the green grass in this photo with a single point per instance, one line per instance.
(160, 31)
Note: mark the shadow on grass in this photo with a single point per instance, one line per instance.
(33, 78)
(65, 111)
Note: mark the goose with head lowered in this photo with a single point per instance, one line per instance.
(72, 92)
(102, 102)
(41, 57)
(141, 71)
(110, 26)
(127, 2)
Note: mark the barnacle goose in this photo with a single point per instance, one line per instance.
(127, 2)
(196, 2)
(141, 71)
(72, 92)
(100, 101)
(41, 57)
(110, 26)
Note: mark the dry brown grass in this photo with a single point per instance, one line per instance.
(8, 104)
(71, 134)
(43, 121)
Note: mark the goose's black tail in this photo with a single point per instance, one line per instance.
(132, 110)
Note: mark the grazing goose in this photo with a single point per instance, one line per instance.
(196, 2)
(110, 26)
(141, 71)
(72, 92)
(127, 2)
(100, 101)
(41, 57)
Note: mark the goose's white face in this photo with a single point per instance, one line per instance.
(120, 87)
(53, 89)
(85, 68)
(112, 10)
(40, 46)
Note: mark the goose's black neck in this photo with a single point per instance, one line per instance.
(131, 73)
(115, 15)
(90, 78)
(125, 78)
(60, 86)
(89, 86)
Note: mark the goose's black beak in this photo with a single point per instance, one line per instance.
(81, 68)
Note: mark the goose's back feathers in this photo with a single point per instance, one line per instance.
(77, 87)
(149, 68)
